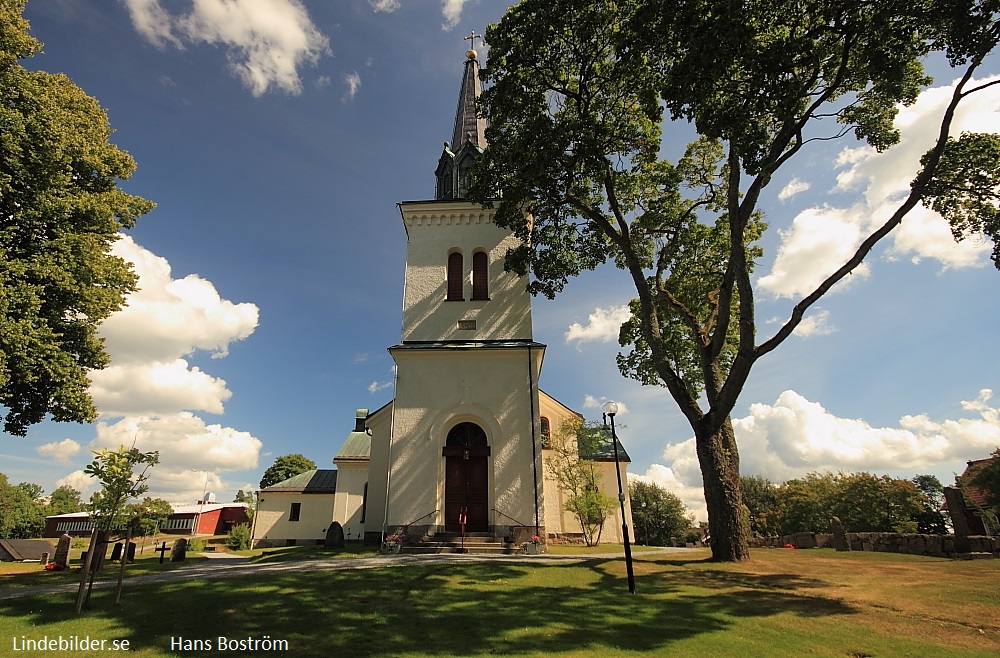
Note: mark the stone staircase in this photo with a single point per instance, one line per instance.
(477, 543)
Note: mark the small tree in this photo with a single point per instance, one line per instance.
(760, 497)
(249, 500)
(285, 467)
(580, 477)
(149, 516)
(930, 520)
(238, 538)
(22, 515)
(658, 515)
(116, 471)
(64, 500)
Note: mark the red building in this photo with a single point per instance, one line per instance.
(201, 519)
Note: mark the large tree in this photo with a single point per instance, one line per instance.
(60, 211)
(284, 467)
(575, 100)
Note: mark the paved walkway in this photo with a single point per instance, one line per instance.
(221, 565)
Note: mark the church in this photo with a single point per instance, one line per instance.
(466, 444)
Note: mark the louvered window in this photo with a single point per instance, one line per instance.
(480, 275)
(455, 266)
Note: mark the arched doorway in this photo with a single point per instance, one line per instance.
(466, 482)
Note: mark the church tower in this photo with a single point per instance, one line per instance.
(460, 445)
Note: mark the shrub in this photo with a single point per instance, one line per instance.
(238, 538)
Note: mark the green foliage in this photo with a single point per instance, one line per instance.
(238, 538)
(149, 516)
(64, 500)
(760, 497)
(863, 502)
(966, 188)
(284, 467)
(659, 517)
(930, 520)
(195, 544)
(579, 477)
(576, 93)
(22, 515)
(250, 500)
(60, 211)
(115, 469)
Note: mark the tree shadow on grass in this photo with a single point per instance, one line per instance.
(439, 609)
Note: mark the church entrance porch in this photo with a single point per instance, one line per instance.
(466, 483)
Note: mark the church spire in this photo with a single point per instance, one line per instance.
(468, 126)
(469, 136)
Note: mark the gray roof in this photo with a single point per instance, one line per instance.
(316, 481)
(26, 549)
(467, 124)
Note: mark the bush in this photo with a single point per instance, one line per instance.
(195, 545)
(238, 538)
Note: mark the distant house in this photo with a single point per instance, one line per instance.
(981, 521)
(200, 519)
(297, 510)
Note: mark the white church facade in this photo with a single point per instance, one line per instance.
(465, 444)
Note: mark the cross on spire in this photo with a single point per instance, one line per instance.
(472, 37)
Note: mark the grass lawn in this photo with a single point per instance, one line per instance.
(781, 603)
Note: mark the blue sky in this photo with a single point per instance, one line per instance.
(276, 137)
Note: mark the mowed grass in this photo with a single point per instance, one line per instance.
(781, 603)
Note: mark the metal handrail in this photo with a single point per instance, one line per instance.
(406, 526)
(511, 518)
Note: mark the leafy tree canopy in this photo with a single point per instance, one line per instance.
(576, 98)
(122, 474)
(60, 211)
(658, 516)
(149, 516)
(22, 515)
(284, 467)
(64, 500)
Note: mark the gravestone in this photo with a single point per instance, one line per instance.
(839, 536)
(116, 552)
(130, 553)
(334, 536)
(61, 559)
(179, 551)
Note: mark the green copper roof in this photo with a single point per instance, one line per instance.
(358, 444)
(316, 481)
(604, 451)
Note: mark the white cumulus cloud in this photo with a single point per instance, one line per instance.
(823, 238)
(59, 451)
(795, 436)
(385, 6)
(602, 325)
(266, 41)
(794, 187)
(452, 11)
(190, 451)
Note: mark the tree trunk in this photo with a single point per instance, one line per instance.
(720, 469)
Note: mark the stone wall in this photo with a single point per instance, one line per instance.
(887, 542)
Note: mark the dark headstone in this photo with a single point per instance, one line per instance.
(61, 558)
(179, 551)
(839, 536)
(130, 553)
(334, 536)
(116, 552)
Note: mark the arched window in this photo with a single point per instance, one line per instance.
(455, 267)
(546, 431)
(480, 275)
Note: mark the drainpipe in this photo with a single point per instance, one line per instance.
(534, 449)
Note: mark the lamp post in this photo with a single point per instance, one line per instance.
(610, 409)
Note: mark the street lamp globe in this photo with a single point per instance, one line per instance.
(611, 407)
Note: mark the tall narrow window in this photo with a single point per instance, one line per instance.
(455, 266)
(546, 431)
(293, 514)
(480, 275)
